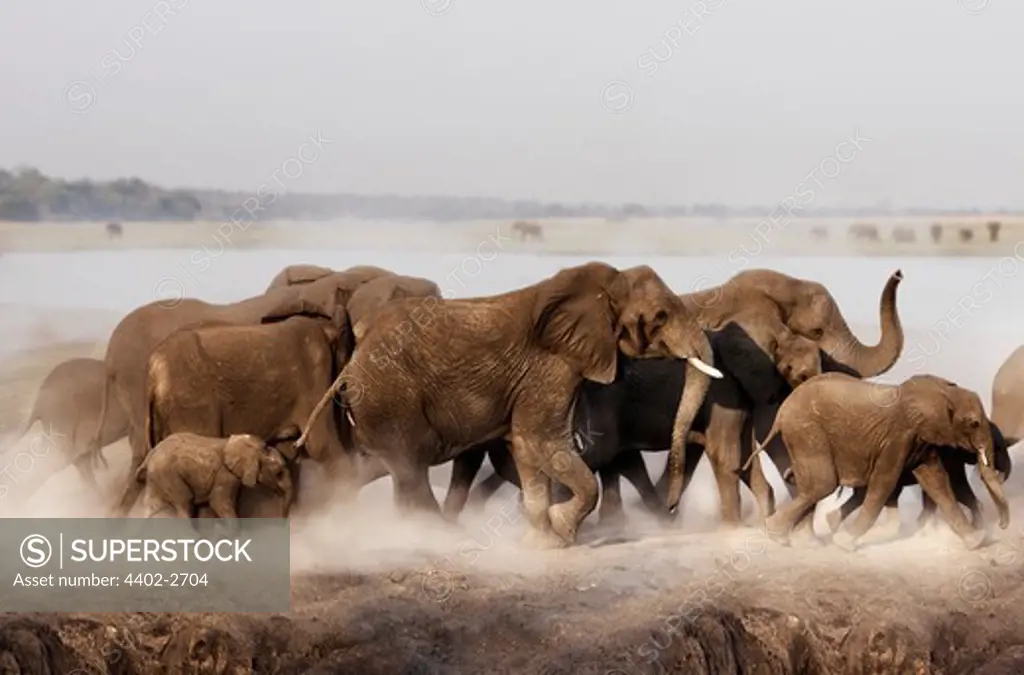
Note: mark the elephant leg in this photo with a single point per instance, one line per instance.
(464, 470)
(564, 465)
(694, 453)
(484, 490)
(723, 449)
(890, 520)
(132, 487)
(413, 494)
(536, 495)
(837, 515)
(631, 466)
(762, 489)
(611, 513)
(934, 480)
(879, 490)
(964, 494)
(84, 465)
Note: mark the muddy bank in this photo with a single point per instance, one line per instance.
(830, 614)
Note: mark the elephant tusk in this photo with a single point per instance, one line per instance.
(710, 371)
(348, 414)
(984, 459)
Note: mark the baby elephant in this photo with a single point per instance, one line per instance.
(843, 431)
(186, 471)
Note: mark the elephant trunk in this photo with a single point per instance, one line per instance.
(990, 478)
(869, 361)
(696, 351)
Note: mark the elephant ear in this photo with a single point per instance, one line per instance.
(753, 367)
(242, 458)
(574, 318)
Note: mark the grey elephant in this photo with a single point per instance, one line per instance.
(135, 337)
(428, 383)
(1008, 397)
(67, 405)
(839, 430)
(186, 471)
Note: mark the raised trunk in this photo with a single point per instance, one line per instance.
(995, 488)
(843, 346)
(686, 345)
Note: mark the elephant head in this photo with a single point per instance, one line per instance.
(808, 309)
(591, 313)
(326, 298)
(253, 463)
(956, 418)
(371, 295)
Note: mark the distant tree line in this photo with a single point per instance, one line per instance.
(27, 195)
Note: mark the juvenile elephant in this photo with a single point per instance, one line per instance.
(67, 405)
(839, 430)
(135, 337)
(615, 422)
(186, 471)
(955, 462)
(426, 384)
(1008, 397)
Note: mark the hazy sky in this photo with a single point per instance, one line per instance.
(512, 99)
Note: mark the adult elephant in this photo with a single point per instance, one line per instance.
(67, 405)
(1008, 397)
(421, 388)
(955, 462)
(135, 337)
(747, 311)
(614, 423)
(296, 275)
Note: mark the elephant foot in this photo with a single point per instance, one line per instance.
(542, 540)
(845, 541)
(974, 540)
(834, 519)
(562, 521)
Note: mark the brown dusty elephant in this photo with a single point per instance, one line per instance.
(186, 471)
(842, 431)
(296, 275)
(614, 423)
(433, 378)
(135, 337)
(67, 405)
(955, 462)
(1008, 397)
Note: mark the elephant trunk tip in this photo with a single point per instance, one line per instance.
(898, 275)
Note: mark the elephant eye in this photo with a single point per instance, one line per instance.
(817, 333)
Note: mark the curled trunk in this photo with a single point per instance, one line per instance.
(843, 346)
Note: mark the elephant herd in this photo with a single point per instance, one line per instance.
(560, 385)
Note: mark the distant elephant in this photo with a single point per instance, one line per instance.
(1008, 397)
(993, 230)
(839, 430)
(135, 337)
(186, 471)
(67, 405)
(955, 462)
(936, 232)
(613, 423)
(422, 389)
(864, 231)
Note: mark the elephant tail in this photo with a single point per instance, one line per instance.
(338, 392)
(154, 429)
(758, 447)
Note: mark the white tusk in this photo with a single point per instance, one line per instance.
(710, 371)
(348, 414)
(984, 459)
